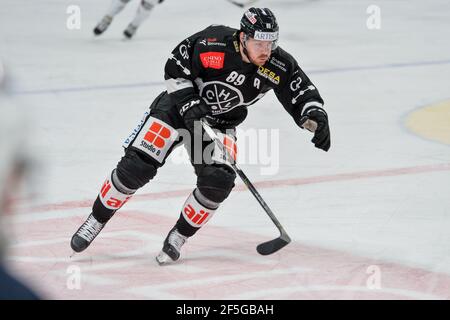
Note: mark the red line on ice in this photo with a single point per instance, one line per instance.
(68, 205)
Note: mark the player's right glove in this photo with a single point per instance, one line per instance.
(321, 137)
(193, 110)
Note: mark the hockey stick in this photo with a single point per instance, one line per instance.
(242, 4)
(268, 247)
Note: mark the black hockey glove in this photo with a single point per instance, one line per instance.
(192, 111)
(224, 124)
(321, 137)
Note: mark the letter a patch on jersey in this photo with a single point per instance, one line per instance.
(213, 60)
(155, 138)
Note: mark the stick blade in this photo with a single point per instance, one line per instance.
(272, 246)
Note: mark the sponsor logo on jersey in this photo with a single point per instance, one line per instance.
(281, 65)
(268, 74)
(213, 60)
(213, 43)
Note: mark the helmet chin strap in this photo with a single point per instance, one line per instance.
(244, 50)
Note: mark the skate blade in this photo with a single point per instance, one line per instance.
(162, 258)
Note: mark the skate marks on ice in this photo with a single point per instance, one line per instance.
(218, 263)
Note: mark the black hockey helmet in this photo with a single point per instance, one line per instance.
(260, 24)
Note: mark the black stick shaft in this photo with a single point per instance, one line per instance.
(244, 178)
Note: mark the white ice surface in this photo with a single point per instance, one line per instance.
(85, 95)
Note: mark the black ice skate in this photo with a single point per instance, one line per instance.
(130, 31)
(102, 25)
(171, 248)
(86, 234)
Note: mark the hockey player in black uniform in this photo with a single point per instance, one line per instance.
(214, 75)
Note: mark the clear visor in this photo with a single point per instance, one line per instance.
(260, 44)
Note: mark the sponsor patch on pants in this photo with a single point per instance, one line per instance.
(155, 138)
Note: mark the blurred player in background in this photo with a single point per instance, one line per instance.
(143, 11)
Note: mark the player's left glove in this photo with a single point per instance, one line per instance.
(193, 110)
(321, 137)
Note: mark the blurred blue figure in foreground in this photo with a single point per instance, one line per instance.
(13, 164)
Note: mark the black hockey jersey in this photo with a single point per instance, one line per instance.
(209, 64)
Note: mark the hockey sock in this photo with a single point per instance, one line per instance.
(113, 195)
(197, 210)
(116, 7)
(143, 12)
